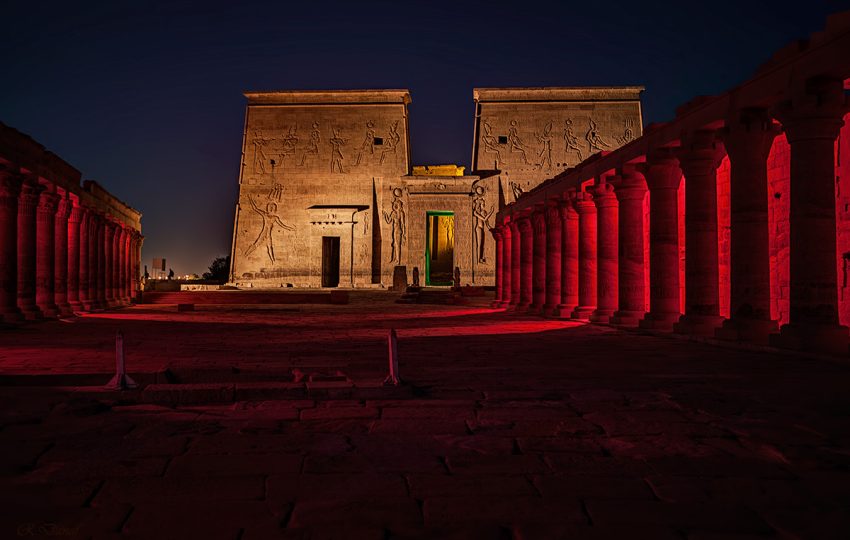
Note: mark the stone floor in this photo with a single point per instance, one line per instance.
(516, 427)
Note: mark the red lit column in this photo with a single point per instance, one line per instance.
(10, 190)
(60, 257)
(27, 204)
(497, 236)
(138, 242)
(812, 120)
(699, 156)
(748, 138)
(663, 177)
(516, 261)
(97, 274)
(538, 280)
(569, 258)
(45, 263)
(74, 257)
(116, 264)
(109, 262)
(507, 270)
(554, 228)
(586, 210)
(526, 233)
(88, 260)
(630, 189)
(125, 265)
(607, 290)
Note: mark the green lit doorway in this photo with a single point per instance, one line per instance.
(439, 248)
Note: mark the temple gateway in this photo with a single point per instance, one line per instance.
(328, 196)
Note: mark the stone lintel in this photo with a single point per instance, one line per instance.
(558, 94)
(327, 97)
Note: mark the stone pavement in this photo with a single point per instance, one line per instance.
(516, 427)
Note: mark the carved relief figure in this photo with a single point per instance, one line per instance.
(396, 219)
(544, 157)
(368, 142)
(517, 190)
(491, 143)
(594, 140)
(516, 143)
(482, 223)
(276, 193)
(628, 133)
(571, 140)
(270, 220)
(290, 143)
(392, 141)
(260, 157)
(337, 143)
(313, 145)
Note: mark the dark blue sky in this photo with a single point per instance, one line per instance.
(145, 97)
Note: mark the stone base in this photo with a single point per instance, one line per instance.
(832, 339)
(583, 312)
(11, 316)
(659, 321)
(49, 312)
(601, 315)
(626, 318)
(496, 304)
(698, 325)
(65, 310)
(32, 313)
(563, 311)
(749, 330)
(536, 308)
(522, 307)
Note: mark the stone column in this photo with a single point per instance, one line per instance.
(96, 271)
(45, 260)
(569, 258)
(88, 260)
(812, 120)
(10, 191)
(499, 239)
(125, 265)
(138, 242)
(538, 280)
(27, 234)
(630, 190)
(748, 137)
(60, 257)
(554, 228)
(116, 264)
(516, 261)
(526, 263)
(586, 210)
(74, 257)
(507, 270)
(109, 262)
(699, 156)
(663, 177)
(607, 289)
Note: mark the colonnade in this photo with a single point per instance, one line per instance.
(575, 247)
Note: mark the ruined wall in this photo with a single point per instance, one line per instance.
(315, 164)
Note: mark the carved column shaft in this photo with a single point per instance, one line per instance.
(27, 234)
(538, 283)
(554, 229)
(630, 190)
(507, 265)
(586, 211)
(663, 178)
(569, 258)
(607, 289)
(526, 232)
(74, 251)
(516, 261)
(60, 257)
(10, 190)
(497, 236)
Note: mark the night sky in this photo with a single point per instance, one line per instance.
(146, 97)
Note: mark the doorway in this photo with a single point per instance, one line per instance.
(330, 261)
(439, 248)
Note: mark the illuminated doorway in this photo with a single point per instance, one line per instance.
(439, 248)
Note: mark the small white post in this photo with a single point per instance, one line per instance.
(392, 342)
(121, 381)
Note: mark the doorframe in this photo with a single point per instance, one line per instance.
(338, 244)
(428, 214)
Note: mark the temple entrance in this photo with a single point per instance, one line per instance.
(330, 261)
(439, 248)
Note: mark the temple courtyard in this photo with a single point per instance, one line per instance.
(270, 421)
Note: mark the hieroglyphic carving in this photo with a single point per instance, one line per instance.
(275, 193)
(594, 140)
(290, 144)
(337, 143)
(313, 145)
(628, 132)
(391, 142)
(491, 143)
(481, 219)
(270, 219)
(544, 157)
(368, 142)
(517, 190)
(516, 144)
(397, 220)
(571, 141)
(260, 157)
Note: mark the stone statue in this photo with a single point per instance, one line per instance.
(270, 219)
(416, 276)
(457, 277)
(396, 219)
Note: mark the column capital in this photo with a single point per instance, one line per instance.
(701, 152)
(524, 224)
(815, 111)
(629, 185)
(30, 190)
(603, 194)
(63, 210)
(553, 214)
(76, 214)
(749, 134)
(538, 219)
(10, 184)
(48, 202)
(497, 232)
(661, 169)
(583, 203)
